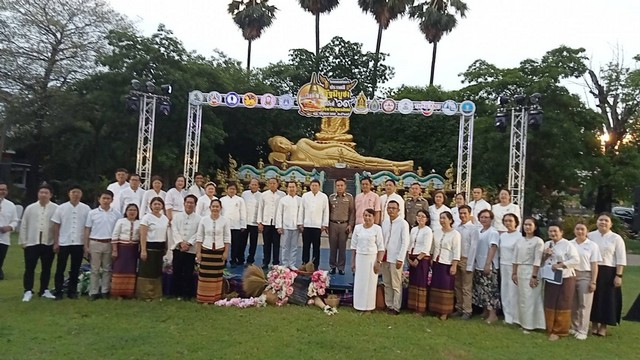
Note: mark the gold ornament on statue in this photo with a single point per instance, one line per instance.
(448, 183)
(260, 164)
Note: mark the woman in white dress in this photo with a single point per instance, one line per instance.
(367, 244)
(438, 207)
(505, 206)
(586, 277)
(508, 289)
(527, 259)
(460, 199)
(155, 191)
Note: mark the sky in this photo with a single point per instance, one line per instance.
(502, 32)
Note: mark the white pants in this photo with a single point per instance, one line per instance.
(392, 279)
(582, 301)
(289, 247)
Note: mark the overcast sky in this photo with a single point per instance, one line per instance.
(503, 32)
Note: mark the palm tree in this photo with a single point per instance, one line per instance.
(252, 17)
(384, 11)
(435, 20)
(317, 7)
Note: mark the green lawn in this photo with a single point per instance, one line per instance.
(117, 329)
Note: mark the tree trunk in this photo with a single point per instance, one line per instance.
(376, 61)
(318, 42)
(249, 58)
(604, 197)
(433, 62)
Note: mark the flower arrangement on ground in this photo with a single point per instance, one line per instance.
(243, 303)
(317, 289)
(280, 281)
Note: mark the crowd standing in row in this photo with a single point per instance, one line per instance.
(471, 254)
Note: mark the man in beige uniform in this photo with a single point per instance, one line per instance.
(342, 218)
(414, 203)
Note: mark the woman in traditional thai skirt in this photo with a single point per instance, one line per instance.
(561, 256)
(486, 290)
(586, 279)
(508, 287)
(212, 248)
(367, 244)
(446, 254)
(607, 298)
(153, 242)
(527, 259)
(125, 243)
(419, 259)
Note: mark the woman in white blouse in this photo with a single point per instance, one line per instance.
(607, 298)
(508, 289)
(367, 244)
(446, 254)
(505, 206)
(527, 259)
(459, 199)
(124, 243)
(419, 259)
(153, 245)
(155, 191)
(175, 197)
(486, 290)
(560, 257)
(586, 275)
(438, 207)
(213, 239)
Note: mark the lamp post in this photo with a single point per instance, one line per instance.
(146, 102)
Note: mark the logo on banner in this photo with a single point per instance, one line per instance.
(405, 106)
(389, 106)
(232, 99)
(214, 98)
(467, 108)
(324, 97)
(268, 101)
(374, 105)
(361, 104)
(286, 102)
(449, 107)
(427, 107)
(250, 100)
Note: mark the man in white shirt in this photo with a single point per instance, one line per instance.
(204, 202)
(313, 219)
(252, 203)
(197, 189)
(267, 224)
(286, 224)
(390, 194)
(97, 242)
(234, 209)
(134, 194)
(478, 204)
(464, 279)
(68, 240)
(119, 185)
(184, 227)
(36, 238)
(8, 223)
(395, 231)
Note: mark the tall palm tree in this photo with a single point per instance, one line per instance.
(317, 7)
(435, 20)
(384, 11)
(252, 17)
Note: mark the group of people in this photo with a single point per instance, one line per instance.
(471, 254)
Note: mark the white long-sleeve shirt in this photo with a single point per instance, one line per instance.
(184, 228)
(467, 238)
(563, 252)
(148, 196)
(252, 203)
(384, 201)
(234, 209)
(174, 200)
(130, 196)
(71, 220)
(213, 232)
(126, 231)
(203, 205)
(36, 223)
(500, 211)
(268, 206)
(434, 215)
(421, 241)
(612, 248)
(8, 217)
(117, 190)
(446, 246)
(287, 212)
(314, 210)
(396, 239)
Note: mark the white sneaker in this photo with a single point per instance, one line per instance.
(581, 336)
(572, 332)
(48, 295)
(27, 296)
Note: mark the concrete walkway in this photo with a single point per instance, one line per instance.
(633, 259)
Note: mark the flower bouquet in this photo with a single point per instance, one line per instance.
(243, 303)
(317, 289)
(280, 281)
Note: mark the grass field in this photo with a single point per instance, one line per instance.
(169, 329)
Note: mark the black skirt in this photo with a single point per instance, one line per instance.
(607, 299)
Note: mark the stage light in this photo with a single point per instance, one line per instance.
(166, 89)
(136, 85)
(535, 99)
(535, 117)
(501, 121)
(520, 100)
(133, 103)
(503, 100)
(150, 87)
(164, 107)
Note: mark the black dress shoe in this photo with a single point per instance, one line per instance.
(94, 297)
(106, 295)
(73, 296)
(265, 266)
(341, 272)
(332, 271)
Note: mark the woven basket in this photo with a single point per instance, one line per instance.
(272, 298)
(332, 300)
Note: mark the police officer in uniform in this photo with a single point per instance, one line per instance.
(342, 218)
(414, 203)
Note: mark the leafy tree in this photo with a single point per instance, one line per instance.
(318, 7)
(435, 20)
(384, 11)
(252, 17)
